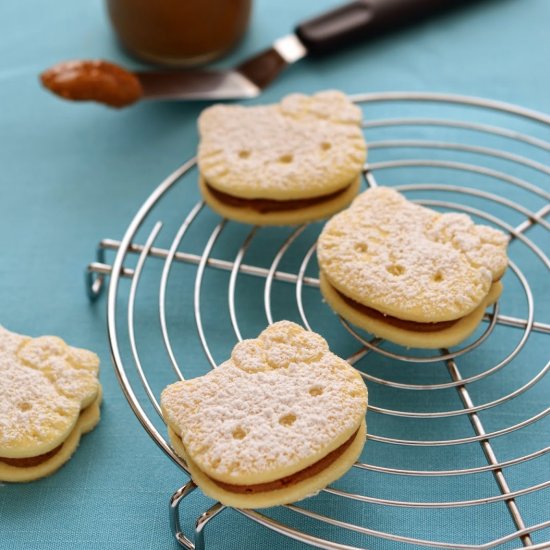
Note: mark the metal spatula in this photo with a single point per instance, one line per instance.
(357, 21)
(360, 20)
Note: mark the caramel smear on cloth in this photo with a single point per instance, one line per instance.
(96, 80)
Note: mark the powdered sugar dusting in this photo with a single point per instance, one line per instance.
(305, 146)
(44, 384)
(409, 261)
(279, 400)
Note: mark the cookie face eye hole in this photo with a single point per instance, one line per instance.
(287, 419)
(315, 391)
(325, 146)
(23, 407)
(396, 269)
(438, 277)
(361, 247)
(238, 433)
(286, 159)
(244, 154)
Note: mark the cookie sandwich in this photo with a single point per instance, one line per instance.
(49, 397)
(292, 162)
(407, 273)
(277, 422)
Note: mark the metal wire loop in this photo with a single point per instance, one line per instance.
(131, 362)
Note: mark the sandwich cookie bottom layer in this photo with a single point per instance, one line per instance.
(31, 468)
(296, 487)
(267, 212)
(407, 333)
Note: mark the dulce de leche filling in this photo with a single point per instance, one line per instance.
(292, 479)
(32, 460)
(29, 462)
(395, 321)
(93, 80)
(271, 205)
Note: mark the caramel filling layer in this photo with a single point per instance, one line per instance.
(270, 205)
(32, 460)
(29, 462)
(395, 321)
(292, 479)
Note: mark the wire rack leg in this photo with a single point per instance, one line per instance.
(175, 500)
(94, 278)
(200, 524)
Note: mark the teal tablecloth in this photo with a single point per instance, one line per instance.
(72, 174)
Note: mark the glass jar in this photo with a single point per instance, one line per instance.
(179, 32)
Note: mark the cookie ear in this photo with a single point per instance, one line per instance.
(83, 359)
(482, 246)
(287, 343)
(71, 371)
(277, 347)
(250, 356)
(43, 353)
(329, 104)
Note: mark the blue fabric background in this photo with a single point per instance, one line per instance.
(71, 174)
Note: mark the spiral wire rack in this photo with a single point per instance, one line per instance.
(522, 200)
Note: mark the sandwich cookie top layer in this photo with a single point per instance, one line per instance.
(281, 403)
(44, 385)
(302, 147)
(409, 261)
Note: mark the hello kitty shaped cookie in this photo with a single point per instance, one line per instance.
(49, 396)
(277, 422)
(407, 273)
(291, 162)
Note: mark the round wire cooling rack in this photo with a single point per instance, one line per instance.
(469, 426)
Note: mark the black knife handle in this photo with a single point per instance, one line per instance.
(363, 19)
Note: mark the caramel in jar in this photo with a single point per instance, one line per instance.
(179, 32)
